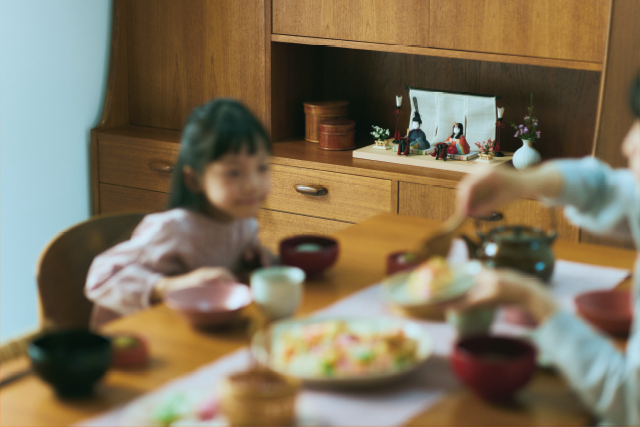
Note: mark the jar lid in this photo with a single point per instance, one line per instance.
(326, 107)
(517, 234)
(337, 125)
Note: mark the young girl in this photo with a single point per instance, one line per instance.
(209, 229)
(598, 199)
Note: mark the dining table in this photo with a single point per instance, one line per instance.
(177, 349)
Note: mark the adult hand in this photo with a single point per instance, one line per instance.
(203, 276)
(498, 287)
(479, 194)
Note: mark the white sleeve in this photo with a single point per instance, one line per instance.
(607, 380)
(597, 197)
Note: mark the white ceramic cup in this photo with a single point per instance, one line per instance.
(277, 290)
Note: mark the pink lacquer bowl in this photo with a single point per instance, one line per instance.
(293, 252)
(494, 367)
(205, 306)
(609, 311)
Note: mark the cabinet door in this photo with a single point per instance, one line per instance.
(275, 226)
(560, 29)
(438, 203)
(403, 22)
(183, 53)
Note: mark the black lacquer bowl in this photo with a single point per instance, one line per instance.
(71, 361)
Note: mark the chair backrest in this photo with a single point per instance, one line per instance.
(63, 265)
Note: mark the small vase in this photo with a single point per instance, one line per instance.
(526, 155)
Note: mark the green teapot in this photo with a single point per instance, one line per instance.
(522, 248)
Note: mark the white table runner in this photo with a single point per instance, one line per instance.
(387, 406)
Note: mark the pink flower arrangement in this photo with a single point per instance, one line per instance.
(486, 147)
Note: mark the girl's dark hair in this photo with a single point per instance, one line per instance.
(213, 130)
(460, 130)
(634, 96)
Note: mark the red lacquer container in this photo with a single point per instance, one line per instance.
(338, 134)
(315, 112)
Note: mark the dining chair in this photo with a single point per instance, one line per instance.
(62, 269)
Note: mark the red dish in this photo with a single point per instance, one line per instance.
(322, 254)
(609, 311)
(494, 367)
(214, 305)
(400, 261)
(129, 350)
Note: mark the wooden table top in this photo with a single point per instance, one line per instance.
(178, 349)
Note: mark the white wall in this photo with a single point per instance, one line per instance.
(54, 58)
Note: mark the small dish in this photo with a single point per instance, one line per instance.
(395, 291)
(609, 311)
(401, 261)
(130, 350)
(312, 254)
(71, 361)
(205, 306)
(269, 344)
(494, 367)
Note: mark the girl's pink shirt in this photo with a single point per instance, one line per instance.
(120, 280)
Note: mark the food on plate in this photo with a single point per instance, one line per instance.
(339, 349)
(431, 279)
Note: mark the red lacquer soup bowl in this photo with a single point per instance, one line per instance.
(494, 367)
(312, 254)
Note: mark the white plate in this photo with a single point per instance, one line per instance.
(261, 347)
(395, 288)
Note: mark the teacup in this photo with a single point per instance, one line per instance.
(277, 290)
(475, 321)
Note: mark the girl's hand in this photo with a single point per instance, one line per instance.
(509, 287)
(203, 276)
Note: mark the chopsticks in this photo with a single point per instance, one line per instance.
(15, 377)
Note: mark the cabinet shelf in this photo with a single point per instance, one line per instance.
(442, 53)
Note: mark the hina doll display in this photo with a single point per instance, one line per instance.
(417, 138)
(457, 142)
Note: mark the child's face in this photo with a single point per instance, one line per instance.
(631, 148)
(237, 184)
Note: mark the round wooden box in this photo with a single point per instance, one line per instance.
(316, 112)
(338, 134)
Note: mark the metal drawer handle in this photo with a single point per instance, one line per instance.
(311, 190)
(493, 217)
(161, 166)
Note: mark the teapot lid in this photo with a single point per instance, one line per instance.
(517, 234)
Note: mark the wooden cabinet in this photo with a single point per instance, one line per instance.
(347, 198)
(115, 198)
(438, 203)
(559, 29)
(141, 164)
(167, 57)
(401, 22)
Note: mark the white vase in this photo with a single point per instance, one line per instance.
(526, 155)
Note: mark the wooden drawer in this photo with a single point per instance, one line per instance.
(275, 226)
(114, 198)
(403, 22)
(137, 163)
(438, 203)
(349, 198)
(568, 29)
